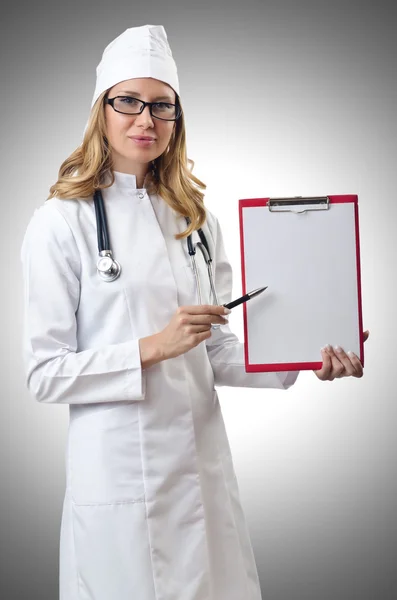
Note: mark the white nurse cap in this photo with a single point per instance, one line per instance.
(138, 52)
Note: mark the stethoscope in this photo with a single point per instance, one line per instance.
(109, 269)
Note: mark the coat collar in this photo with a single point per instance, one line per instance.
(125, 183)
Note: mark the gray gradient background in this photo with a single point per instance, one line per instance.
(316, 464)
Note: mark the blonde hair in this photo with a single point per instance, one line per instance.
(87, 167)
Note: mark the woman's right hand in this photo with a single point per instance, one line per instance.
(189, 326)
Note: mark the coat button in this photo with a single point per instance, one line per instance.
(140, 195)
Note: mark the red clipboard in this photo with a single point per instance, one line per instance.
(265, 253)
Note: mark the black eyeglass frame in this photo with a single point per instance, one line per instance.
(178, 110)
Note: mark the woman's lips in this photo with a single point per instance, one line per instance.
(143, 142)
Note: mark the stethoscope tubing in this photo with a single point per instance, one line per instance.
(114, 268)
(101, 223)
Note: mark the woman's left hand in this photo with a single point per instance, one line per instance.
(338, 364)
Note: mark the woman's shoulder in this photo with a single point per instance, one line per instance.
(50, 226)
(212, 223)
(57, 213)
(48, 218)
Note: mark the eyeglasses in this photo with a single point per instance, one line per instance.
(132, 106)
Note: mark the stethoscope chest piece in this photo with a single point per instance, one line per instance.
(108, 268)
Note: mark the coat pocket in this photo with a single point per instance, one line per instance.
(105, 458)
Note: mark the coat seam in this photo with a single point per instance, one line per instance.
(200, 490)
(235, 527)
(139, 501)
(71, 514)
(79, 588)
(146, 508)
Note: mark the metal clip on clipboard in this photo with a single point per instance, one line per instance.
(310, 202)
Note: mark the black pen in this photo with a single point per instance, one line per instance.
(245, 298)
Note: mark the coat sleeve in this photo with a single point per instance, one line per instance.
(225, 351)
(56, 372)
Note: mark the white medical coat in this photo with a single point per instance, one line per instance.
(151, 508)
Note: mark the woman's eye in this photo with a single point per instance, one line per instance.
(163, 106)
(128, 100)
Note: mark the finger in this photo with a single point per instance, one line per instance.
(365, 335)
(359, 371)
(197, 328)
(206, 309)
(338, 368)
(349, 366)
(200, 337)
(325, 370)
(203, 319)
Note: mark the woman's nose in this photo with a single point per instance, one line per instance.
(145, 116)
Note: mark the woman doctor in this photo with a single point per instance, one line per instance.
(151, 507)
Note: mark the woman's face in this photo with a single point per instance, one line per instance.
(129, 156)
